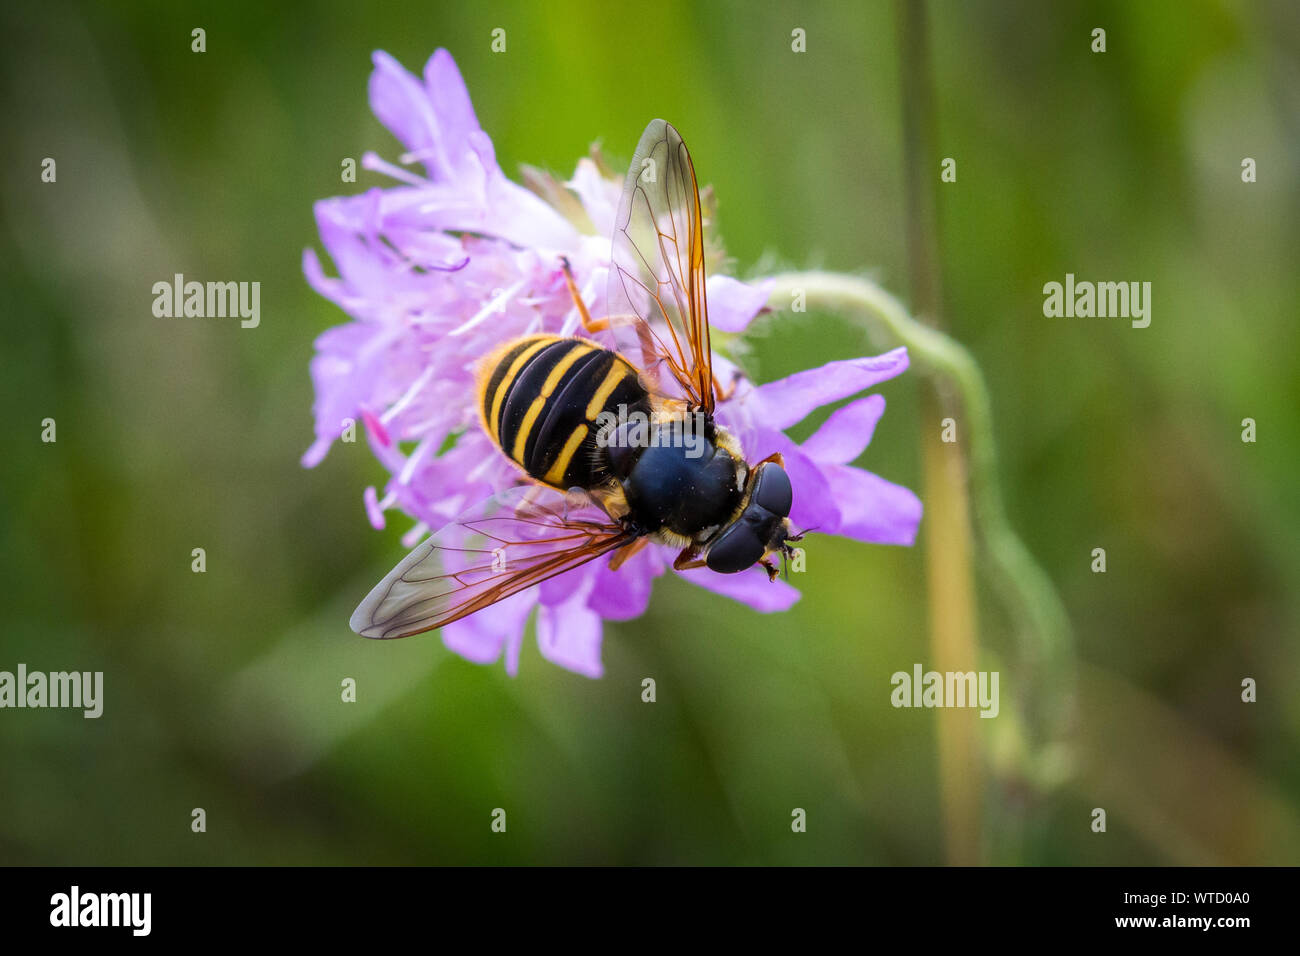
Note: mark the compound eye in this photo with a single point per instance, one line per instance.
(736, 549)
(772, 489)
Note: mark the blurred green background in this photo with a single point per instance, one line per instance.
(222, 689)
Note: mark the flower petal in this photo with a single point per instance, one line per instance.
(599, 197)
(847, 432)
(873, 509)
(748, 587)
(562, 587)
(569, 634)
(373, 511)
(401, 103)
(455, 122)
(789, 400)
(483, 635)
(733, 304)
(624, 594)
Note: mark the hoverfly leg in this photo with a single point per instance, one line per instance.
(724, 394)
(689, 558)
(776, 456)
(588, 323)
(626, 552)
(772, 571)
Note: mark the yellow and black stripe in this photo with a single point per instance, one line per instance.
(540, 397)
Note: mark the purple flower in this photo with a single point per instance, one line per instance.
(443, 266)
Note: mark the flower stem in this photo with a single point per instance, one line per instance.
(950, 572)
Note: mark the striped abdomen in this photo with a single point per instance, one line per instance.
(540, 397)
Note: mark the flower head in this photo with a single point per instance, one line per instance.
(447, 264)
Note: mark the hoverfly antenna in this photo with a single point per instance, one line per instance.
(800, 535)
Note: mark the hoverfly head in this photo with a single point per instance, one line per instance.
(762, 527)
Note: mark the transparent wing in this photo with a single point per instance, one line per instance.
(507, 543)
(656, 308)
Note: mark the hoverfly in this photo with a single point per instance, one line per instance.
(666, 473)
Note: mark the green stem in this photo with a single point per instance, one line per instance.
(1043, 628)
(949, 549)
